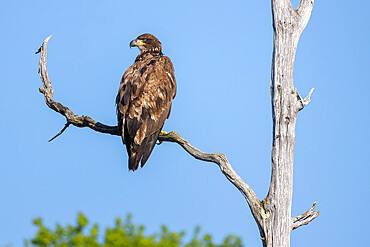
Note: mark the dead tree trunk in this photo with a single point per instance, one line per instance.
(272, 214)
(288, 25)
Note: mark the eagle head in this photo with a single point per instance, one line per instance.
(147, 43)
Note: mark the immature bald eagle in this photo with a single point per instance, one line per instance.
(144, 99)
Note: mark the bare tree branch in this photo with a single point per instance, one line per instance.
(225, 167)
(304, 10)
(283, 4)
(71, 118)
(85, 121)
(305, 218)
(60, 132)
(303, 102)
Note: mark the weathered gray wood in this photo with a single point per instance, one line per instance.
(305, 218)
(273, 214)
(288, 25)
(71, 118)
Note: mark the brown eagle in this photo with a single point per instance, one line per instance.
(144, 99)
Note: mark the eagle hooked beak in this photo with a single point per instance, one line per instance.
(136, 42)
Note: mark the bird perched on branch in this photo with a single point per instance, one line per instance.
(144, 99)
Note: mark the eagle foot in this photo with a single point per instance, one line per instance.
(163, 133)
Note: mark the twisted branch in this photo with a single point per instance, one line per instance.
(85, 121)
(225, 167)
(305, 218)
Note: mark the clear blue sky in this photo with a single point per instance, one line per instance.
(221, 51)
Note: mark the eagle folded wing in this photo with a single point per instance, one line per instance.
(143, 104)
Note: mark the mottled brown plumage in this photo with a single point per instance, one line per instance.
(144, 99)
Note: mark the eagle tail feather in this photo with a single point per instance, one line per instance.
(133, 150)
(149, 146)
(136, 154)
(133, 163)
(141, 152)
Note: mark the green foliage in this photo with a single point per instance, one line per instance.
(122, 234)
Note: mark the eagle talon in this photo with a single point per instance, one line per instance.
(163, 133)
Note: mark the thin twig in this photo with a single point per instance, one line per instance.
(303, 102)
(60, 132)
(305, 218)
